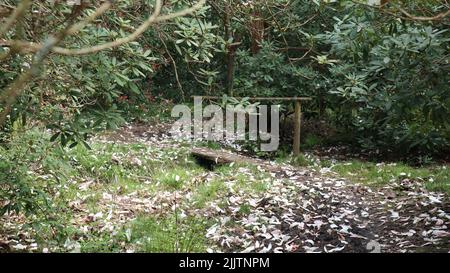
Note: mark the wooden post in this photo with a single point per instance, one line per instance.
(297, 127)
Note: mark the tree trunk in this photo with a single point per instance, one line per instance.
(256, 31)
(231, 52)
(231, 63)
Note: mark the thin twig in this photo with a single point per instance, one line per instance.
(174, 66)
(18, 12)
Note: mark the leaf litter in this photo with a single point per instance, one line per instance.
(300, 210)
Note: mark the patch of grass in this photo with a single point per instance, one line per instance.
(171, 180)
(326, 163)
(436, 178)
(97, 163)
(300, 161)
(297, 161)
(174, 179)
(92, 200)
(230, 169)
(207, 192)
(257, 185)
(440, 181)
(245, 209)
(154, 235)
(128, 165)
(247, 177)
(100, 244)
(211, 145)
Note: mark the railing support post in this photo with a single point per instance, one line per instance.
(297, 127)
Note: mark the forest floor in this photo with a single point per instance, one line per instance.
(138, 191)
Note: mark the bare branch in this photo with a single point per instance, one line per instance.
(141, 29)
(423, 18)
(99, 11)
(154, 18)
(406, 15)
(18, 12)
(13, 91)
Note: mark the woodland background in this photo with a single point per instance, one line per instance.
(377, 71)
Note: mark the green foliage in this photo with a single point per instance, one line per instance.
(360, 65)
(434, 177)
(267, 74)
(77, 96)
(312, 141)
(195, 40)
(17, 190)
(377, 84)
(20, 191)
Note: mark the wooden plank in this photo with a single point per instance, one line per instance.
(297, 127)
(220, 157)
(216, 157)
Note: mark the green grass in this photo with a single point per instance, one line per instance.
(99, 244)
(246, 177)
(440, 182)
(245, 209)
(175, 178)
(251, 180)
(297, 161)
(435, 178)
(208, 192)
(165, 235)
(211, 145)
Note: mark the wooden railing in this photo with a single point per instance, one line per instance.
(297, 116)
